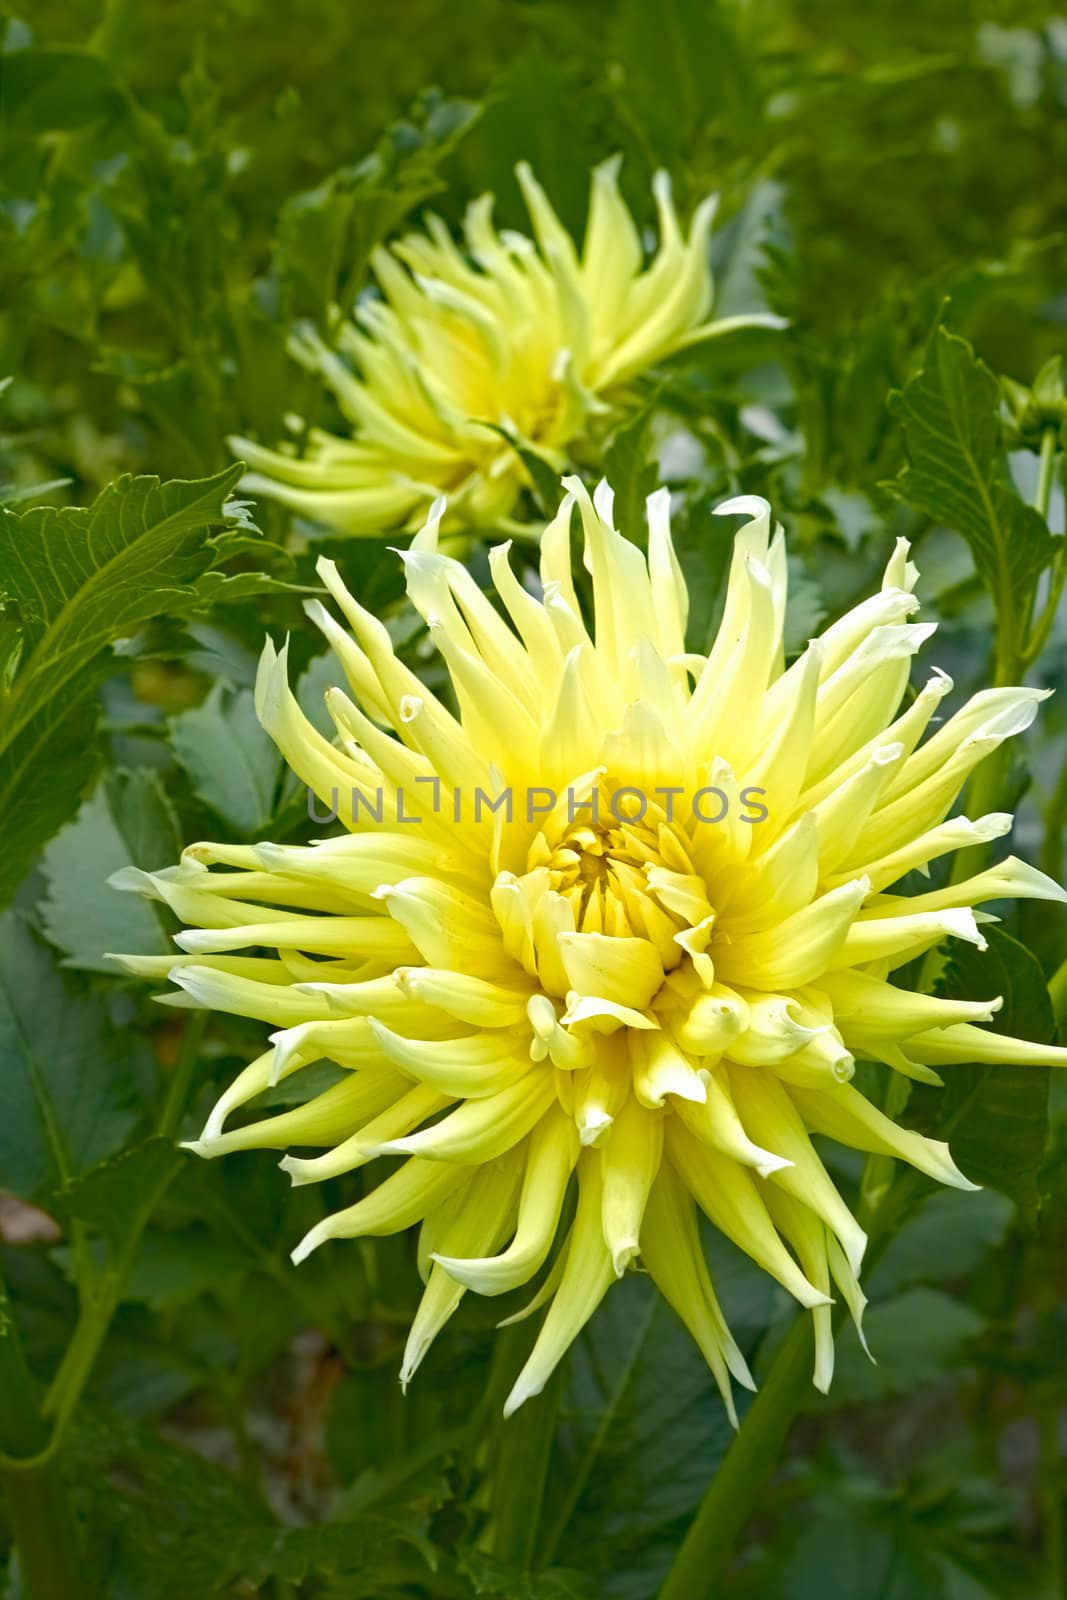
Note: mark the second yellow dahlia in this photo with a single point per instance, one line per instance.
(626, 920)
(472, 348)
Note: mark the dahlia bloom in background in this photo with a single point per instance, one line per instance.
(656, 978)
(504, 333)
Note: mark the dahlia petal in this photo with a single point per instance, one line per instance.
(660, 1068)
(715, 1122)
(402, 1113)
(477, 1223)
(848, 1116)
(586, 1276)
(552, 1156)
(624, 970)
(480, 1130)
(404, 1198)
(809, 1238)
(880, 1008)
(325, 1120)
(476, 1065)
(674, 1257)
(768, 1112)
(799, 948)
(729, 1199)
(631, 1156)
(964, 1042)
(464, 996)
(920, 850)
(899, 939)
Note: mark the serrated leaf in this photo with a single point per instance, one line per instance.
(642, 1429)
(189, 1527)
(995, 1117)
(128, 820)
(43, 774)
(81, 577)
(72, 1084)
(78, 580)
(110, 1195)
(233, 765)
(498, 1579)
(956, 472)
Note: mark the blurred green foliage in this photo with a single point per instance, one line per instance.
(179, 186)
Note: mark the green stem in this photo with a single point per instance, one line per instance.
(1037, 636)
(522, 1448)
(1057, 988)
(731, 1496)
(727, 1505)
(43, 1528)
(1043, 492)
(182, 1076)
(100, 1296)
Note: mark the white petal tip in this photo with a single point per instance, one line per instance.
(623, 1255)
(305, 1248)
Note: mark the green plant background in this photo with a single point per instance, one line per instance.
(179, 185)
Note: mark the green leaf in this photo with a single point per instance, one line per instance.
(630, 472)
(173, 1268)
(642, 1430)
(189, 1527)
(975, 1223)
(233, 765)
(544, 479)
(995, 1117)
(683, 67)
(43, 773)
(326, 234)
(72, 1083)
(128, 820)
(109, 1196)
(55, 91)
(956, 473)
(915, 1338)
(503, 1581)
(78, 580)
(82, 578)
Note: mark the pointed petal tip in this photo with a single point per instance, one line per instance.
(309, 1243)
(623, 1254)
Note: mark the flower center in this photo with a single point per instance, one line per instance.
(609, 905)
(605, 873)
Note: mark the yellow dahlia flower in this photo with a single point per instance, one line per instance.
(503, 334)
(649, 969)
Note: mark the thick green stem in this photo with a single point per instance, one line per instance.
(43, 1528)
(731, 1496)
(727, 1505)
